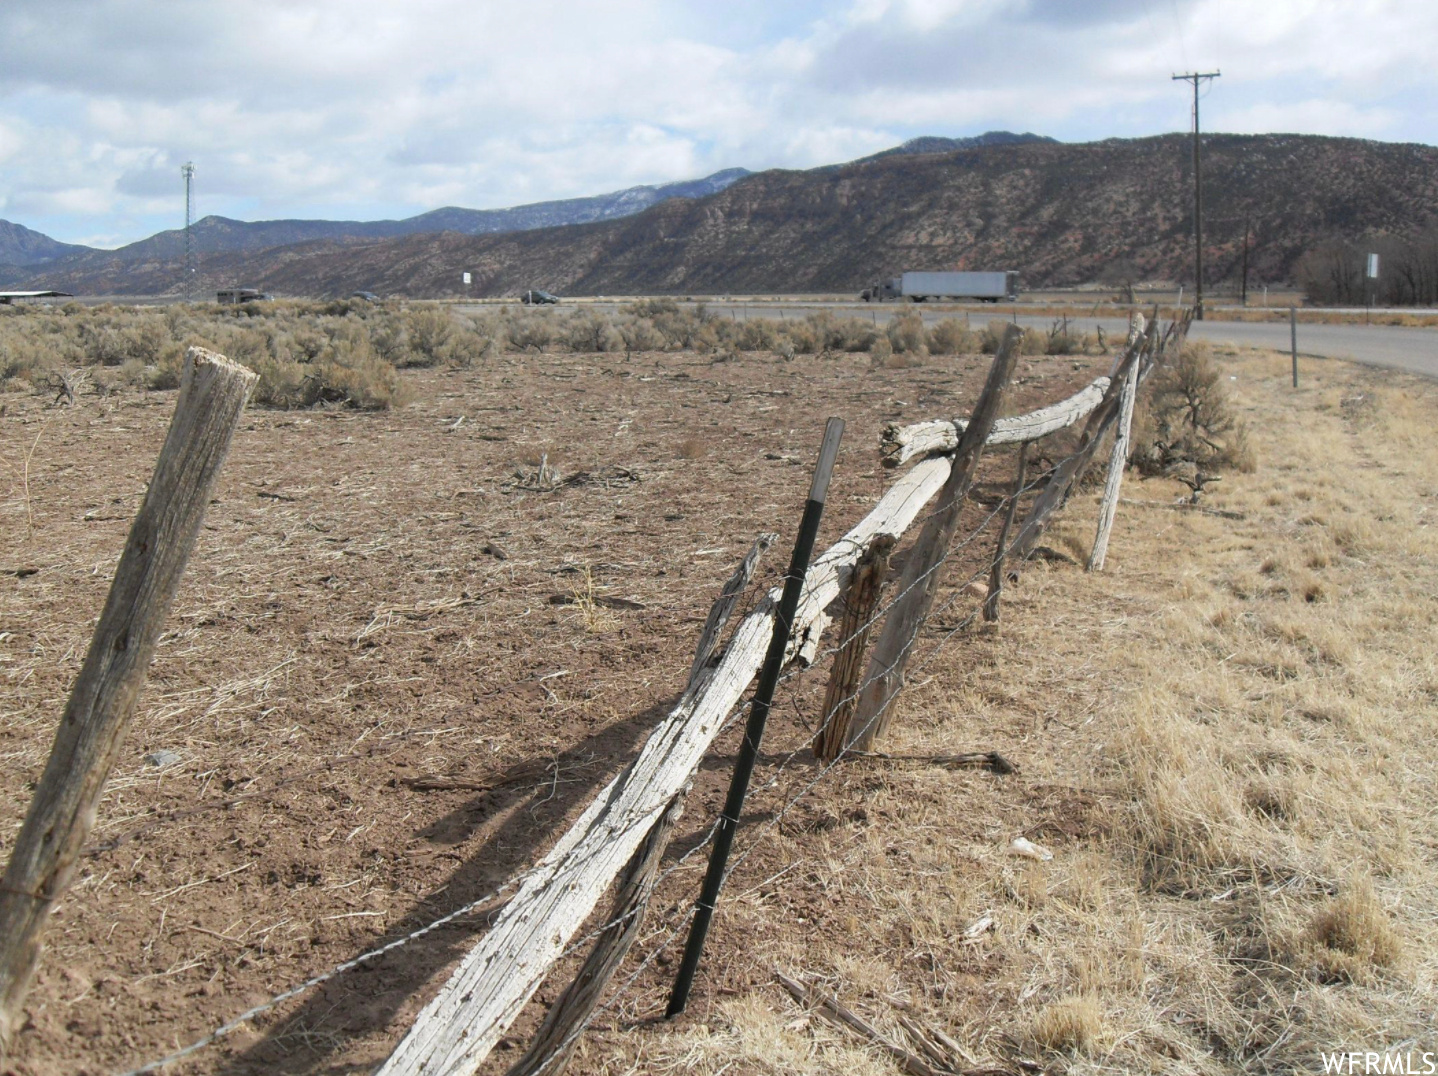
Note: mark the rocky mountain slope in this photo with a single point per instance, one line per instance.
(1060, 214)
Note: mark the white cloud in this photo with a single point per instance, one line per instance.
(366, 108)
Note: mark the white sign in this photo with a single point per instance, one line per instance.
(1373, 267)
(466, 275)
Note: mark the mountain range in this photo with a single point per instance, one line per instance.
(1059, 213)
(20, 247)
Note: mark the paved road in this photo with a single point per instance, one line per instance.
(1396, 347)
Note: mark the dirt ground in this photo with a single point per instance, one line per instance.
(393, 671)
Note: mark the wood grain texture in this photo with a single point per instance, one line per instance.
(558, 1037)
(213, 392)
(902, 443)
(1001, 549)
(1141, 352)
(1117, 462)
(841, 697)
(919, 582)
(723, 606)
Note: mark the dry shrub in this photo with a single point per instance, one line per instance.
(639, 334)
(429, 330)
(852, 335)
(803, 338)
(1071, 1025)
(467, 346)
(1034, 342)
(530, 330)
(757, 334)
(952, 337)
(1350, 937)
(164, 373)
(592, 332)
(1187, 417)
(881, 353)
(906, 334)
(992, 337)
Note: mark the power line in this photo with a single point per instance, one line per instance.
(1197, 78)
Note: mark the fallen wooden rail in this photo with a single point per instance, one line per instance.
(902, 443)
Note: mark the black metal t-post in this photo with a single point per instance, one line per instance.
(758, 715)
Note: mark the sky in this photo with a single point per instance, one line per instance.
(370, 109)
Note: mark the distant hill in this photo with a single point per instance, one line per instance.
(1059, 213)
(20, 247)
(937, 144)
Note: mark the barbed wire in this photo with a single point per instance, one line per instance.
(824, 771)
(798, 672)
(315, 980)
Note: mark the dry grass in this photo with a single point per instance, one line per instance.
(1072, 1025)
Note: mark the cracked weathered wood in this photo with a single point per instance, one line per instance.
(855, 626)
(1117, 462)
(1001, 550)
(902, 443)
(723, 605)
(97, 716)
(1141, 352)
(558, 1037)
(884, 677)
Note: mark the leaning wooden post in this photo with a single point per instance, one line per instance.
(92, 731)
(842, 696)
(996, 572)
(1117, 462)
(558, 1037)
(1067, 474)
(919, 582)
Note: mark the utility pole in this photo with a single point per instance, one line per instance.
(1247, 231)
(1197, 78)
(188, 171)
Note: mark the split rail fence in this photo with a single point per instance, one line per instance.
(621, 836)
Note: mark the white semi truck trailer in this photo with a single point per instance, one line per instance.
(918, 287)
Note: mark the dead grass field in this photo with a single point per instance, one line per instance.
(394, 671)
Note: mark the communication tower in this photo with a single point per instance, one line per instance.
(188, 171)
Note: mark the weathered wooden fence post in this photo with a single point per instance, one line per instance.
(841, 698)
(1070, 470)
(1117, 462)
(919, 582)
(996, 573)
(92, 731)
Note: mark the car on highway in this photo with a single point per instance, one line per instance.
(536, 297)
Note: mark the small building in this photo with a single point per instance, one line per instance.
(9, 297)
